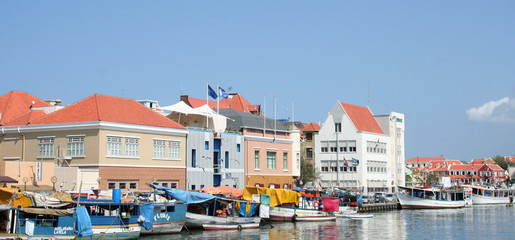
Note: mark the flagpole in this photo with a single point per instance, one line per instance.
(207, 103)
(218, 100)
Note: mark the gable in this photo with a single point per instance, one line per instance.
(362, 118)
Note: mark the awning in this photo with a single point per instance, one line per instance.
(7, 179)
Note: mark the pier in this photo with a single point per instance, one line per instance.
(372, 207)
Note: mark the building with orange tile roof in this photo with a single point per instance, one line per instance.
(16, 103)
(96, 141)
(234, 101)
(353, 152)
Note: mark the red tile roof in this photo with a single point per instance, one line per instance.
(424, 159)
(495, 167)
(362, 118)
(482, 161)
(234, 101)
(465, 167)
(15, 103)
(311, 127)
(109, 109)
(26, 118)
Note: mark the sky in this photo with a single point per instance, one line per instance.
(449, 66)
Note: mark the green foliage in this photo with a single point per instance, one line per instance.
(431, 179)
(501, 162)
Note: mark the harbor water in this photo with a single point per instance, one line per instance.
(477, 222)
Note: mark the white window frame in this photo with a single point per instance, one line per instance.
(75, 145)
(159, 149)
(114, 146)
(46, 147)
(174, 150)
(131, 147)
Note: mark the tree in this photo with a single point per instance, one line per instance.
(431, 179)
(501, 162)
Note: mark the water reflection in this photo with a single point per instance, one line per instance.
(467, 223)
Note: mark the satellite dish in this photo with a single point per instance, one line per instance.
(154, 180)
(53, 179)
(25, 179)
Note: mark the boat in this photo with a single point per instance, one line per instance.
(357, 216)
(430, 197)
(287, 205)
(114, 220)
(211, 212)
(482, 195)
(168, 217)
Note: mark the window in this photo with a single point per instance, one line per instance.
(285, 161)
(111, 185)
(337, 127)
(256, 159)
(270, 160)
(114, 146)
(309, 136)
(309, 152)
(324, 149)
(325, 169)
(193, 187)
(238, 147)
(159, 149)
(333, 149)
(76, 146)
(46, 147)
(227, 159)
(207, 145)
(174, 150)
(122, 185)
(298, 160)
(131, 147)
(133, 185)
(193, 158)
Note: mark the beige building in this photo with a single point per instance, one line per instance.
(100, 142)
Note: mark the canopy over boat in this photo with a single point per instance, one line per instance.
(235, 192)
(187, 197)
(6, 194)
(277, 196)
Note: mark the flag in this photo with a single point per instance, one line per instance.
(346, 163)
(355, 162)
(211, 92)
(222, 93)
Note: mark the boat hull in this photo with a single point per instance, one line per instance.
(194, 220)
(483, 200)
(412, 202)
(278, 213)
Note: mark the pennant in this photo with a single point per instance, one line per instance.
(211, 92)
(222, 93)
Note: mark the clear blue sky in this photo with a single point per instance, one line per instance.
(449, 66)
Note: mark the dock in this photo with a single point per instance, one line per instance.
(372, 207)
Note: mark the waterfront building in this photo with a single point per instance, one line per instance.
(393, 125)
(308, 133)
(352, 151)
(465, 174)
(100, 142)
(268, 149)
(215, 156)
(417, 163)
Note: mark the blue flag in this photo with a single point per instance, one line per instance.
(211, 92)
(222, 94)
(355, 162)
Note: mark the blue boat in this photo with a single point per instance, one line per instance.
(113, 220)
(38, 223)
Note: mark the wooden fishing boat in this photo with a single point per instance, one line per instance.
(358, 216)
(483, 195)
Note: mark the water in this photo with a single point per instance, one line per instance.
(479, 222)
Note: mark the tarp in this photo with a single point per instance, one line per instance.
(84, 227)
(235, 192)
(181, 107)
(41, 200)
(6, 194)
(148, 214)
(247, 209)
(277, 196)
(187, 197)
(331, 204)
(48, 211)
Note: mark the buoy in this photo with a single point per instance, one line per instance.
(315, 203)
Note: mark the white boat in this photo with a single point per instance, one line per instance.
(215, 213)
(346, 210)
(357, 216)
(281, 213)
(483, 195)
(430, 198)
(207, 222)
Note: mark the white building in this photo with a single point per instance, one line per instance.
(393, 125)
(352, 151)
